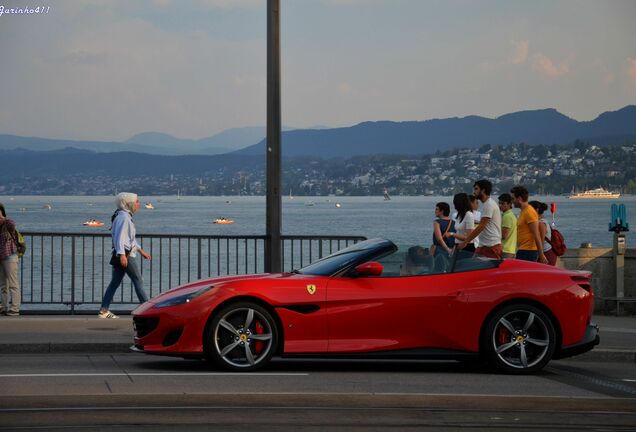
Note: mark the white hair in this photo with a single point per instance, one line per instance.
(126, 201)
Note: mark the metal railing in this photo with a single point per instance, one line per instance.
(69, 272)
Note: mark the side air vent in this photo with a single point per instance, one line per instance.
(303, 309)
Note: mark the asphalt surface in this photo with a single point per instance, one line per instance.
(76, 373)
(132, 391)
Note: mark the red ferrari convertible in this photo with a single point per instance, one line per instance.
(375, 300)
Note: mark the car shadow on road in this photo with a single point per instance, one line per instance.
(304, 365)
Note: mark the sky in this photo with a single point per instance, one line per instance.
(107, 70)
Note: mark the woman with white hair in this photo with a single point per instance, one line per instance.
(124, 253)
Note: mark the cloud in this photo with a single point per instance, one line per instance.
(546, 67)
(110, 79)
(631, 72)
(221, 4)
(521, 52)
(344, 88)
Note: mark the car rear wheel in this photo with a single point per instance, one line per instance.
(241, 337)
(519, 339)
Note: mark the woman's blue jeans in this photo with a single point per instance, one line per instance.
(132, 270)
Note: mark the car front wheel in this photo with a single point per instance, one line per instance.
(241, 337)
(519, 339)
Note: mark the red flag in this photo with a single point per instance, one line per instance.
(553, 207)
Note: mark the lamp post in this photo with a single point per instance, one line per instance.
(273, 145)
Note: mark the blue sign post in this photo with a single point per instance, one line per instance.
(618, 224)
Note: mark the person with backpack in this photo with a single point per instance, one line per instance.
(557, 241)
(545, 232)
(9, 248)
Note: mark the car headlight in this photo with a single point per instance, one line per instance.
(186, 298)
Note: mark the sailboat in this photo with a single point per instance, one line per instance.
(386, 195)
(291, 197)
(178, 194)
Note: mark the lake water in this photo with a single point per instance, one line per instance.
(405, 220)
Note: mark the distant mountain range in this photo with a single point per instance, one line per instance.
(546, 126)
(72, 161)
(148, 142)
(224, 142)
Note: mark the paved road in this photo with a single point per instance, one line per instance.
(136, 392)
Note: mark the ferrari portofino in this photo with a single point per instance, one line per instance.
(376, 300)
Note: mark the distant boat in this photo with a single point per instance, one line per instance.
(178, 194)
(310, 203)
(93, 223)
(599, 193)
(223, 221)
(291, 197)
(149, 206)
(338, 205)
(48, 206)
(386, 195)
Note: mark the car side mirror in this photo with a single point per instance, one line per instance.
(371, 268)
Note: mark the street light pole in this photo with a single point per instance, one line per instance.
(273, 145)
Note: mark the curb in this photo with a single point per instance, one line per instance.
(60, 348)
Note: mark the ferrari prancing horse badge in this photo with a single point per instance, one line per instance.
(311, 289)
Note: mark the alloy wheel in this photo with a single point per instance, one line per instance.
(522, 338)
(244, 337)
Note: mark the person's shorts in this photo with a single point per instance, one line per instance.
(490, 251)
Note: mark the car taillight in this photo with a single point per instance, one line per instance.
(584, 282)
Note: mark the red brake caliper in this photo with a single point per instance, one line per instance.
(258, 345)
(503, 336)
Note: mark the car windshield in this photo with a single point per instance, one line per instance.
(344, 258)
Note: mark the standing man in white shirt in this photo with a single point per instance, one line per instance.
(489, 228)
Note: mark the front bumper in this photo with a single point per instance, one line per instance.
(589, 341)
(169, 331)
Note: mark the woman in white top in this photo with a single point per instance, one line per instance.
(464, 220)
(545, 232)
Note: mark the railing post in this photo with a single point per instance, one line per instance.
(72, 274)
(199, 258)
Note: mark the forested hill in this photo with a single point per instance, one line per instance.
(546, 126)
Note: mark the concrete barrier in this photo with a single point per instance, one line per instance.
(600, 261)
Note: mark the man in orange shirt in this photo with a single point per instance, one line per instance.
(529, 242)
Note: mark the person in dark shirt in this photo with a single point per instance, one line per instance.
(441, 227)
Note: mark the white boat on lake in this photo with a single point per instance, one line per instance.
(599, 193)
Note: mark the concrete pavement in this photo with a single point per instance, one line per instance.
(89, 334)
